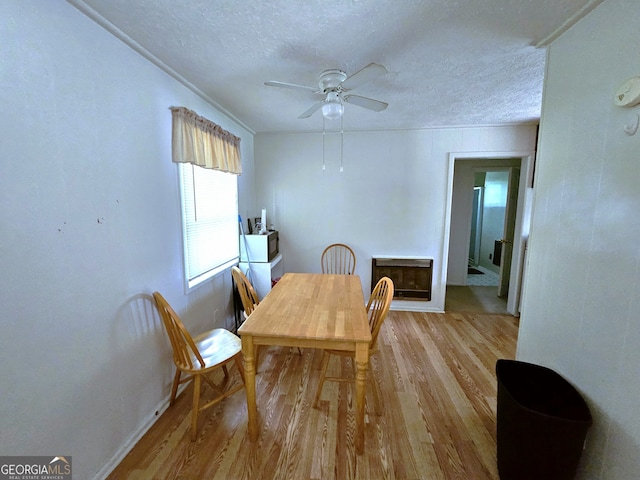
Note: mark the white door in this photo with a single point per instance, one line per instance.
(509, 230)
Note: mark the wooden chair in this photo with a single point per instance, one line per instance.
(338, 258)
(377, 309)
(196, 357)
(248, 296)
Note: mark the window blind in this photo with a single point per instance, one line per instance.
(210, 221)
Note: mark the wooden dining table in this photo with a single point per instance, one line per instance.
(309, 310)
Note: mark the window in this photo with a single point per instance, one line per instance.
(209, 195)
(209, 222)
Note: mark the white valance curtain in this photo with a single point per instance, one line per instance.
(201, 142)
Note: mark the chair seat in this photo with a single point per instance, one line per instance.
(216, 347)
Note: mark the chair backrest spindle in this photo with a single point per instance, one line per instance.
(338, 258)
(184, 348)
(248, 295)
(378, 307)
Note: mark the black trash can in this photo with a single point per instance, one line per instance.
(542, 423)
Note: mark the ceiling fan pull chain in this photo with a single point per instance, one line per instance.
(341, 141)
(323, 135)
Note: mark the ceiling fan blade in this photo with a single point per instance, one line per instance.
(366, 75)
(368, 103)
(290, 85)
(311, 110)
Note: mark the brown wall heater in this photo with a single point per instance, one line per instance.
(411, 276)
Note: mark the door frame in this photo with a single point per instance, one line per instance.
(508, 232)
(522, 218)
(476, 221)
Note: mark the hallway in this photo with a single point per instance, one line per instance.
(487, 278)
(474, 299)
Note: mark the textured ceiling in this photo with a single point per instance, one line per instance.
(450, 62)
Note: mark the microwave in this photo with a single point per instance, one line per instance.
(262, 248)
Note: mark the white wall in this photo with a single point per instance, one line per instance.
(90, 222)
(391, 198)
(582, 283)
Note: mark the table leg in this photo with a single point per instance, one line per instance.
(362, 361)
(248, 352)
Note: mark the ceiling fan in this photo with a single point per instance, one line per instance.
(334, 85)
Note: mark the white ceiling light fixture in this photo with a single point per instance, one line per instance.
(334, 85)
(333, 107)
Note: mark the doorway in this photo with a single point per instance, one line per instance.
(487, 229)
(461, 245)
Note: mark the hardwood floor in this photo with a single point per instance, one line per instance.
(437, 379)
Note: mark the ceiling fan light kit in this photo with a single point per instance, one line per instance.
(333, 84)
(333, 107)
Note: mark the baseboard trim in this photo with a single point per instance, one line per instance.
(134, 438)
(414, 306)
